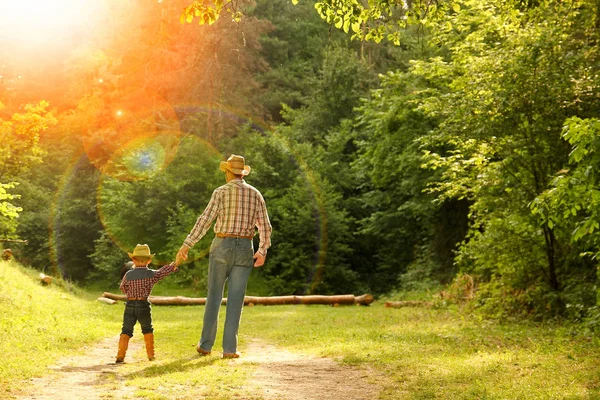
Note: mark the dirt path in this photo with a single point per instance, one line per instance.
(279, 375)
(291, 376)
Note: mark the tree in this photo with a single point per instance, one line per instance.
(19, 151)
(505, 94)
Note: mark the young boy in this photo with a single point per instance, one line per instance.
(137, 285)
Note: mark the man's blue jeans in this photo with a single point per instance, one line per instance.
(231, 260)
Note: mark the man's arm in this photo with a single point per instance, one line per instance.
(202, 225)
(264, 231)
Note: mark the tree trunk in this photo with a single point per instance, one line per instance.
(346, 299)
(550, 252)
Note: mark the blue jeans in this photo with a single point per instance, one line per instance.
(231, 260)
(137, 310)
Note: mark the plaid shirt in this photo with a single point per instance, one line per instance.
(139, 281)
(238, 208)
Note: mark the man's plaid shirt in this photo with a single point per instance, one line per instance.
(139, 281)
(239, 208)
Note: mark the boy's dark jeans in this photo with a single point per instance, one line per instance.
(137, 310)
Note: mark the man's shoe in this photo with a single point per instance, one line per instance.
(231, 355)
(202, 352)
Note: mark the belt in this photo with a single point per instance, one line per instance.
(137, 298)
(228, 235)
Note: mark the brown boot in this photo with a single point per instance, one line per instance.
(123, 344)
(149, 339)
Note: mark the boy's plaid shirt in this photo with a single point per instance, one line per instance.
(238, 208)
(139, 281)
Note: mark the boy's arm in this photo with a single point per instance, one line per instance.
(164, 271)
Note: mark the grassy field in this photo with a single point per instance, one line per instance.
(415, 353)
(40, 324)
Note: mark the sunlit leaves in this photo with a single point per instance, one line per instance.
(463, 169)
(19, 138)
(207, 13)
(7, 209)
(375, 20)
(19, 150)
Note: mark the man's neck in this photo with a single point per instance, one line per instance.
(232, 177)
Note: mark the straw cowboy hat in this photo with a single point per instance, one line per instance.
(235, 164)
(141, 251)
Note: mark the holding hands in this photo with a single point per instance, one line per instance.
(182, 254)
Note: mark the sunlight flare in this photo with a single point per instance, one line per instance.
(36, 21)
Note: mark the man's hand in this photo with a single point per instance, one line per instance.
(182, 254)
(259, 260)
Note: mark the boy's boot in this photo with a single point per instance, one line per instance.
(123, 343)
(149, 339)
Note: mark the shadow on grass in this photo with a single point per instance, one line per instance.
(180, 365)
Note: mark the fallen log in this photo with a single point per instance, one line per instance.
(7, 254)
(410, 303)
(106, 300)
(346, 299)
(45, 279)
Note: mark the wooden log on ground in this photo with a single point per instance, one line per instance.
(164, 300)
(347, 299)
(411, 303)
(45, 279)
(7, 254)
(106, 300)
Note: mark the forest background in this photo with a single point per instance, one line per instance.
(458, 141)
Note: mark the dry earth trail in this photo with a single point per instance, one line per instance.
(278, 375)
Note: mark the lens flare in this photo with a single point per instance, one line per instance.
(143, 145)
(142, 163)
(133, 135)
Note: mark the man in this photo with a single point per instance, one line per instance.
(238, 209)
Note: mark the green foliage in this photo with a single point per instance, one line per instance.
(309, 228)
(162, 210)
(293, 51)
(376, 21)
(411, 238)
(108, 260)
(7, 209)
(574, 199)
(503, 99)
(19, 138)
(19, 151)
(76, 207)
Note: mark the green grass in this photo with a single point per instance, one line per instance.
(40, 324)
(416, 353)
